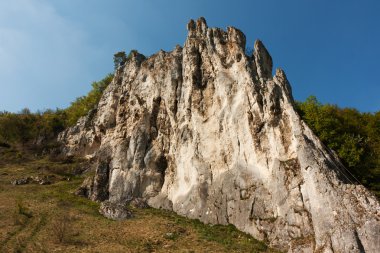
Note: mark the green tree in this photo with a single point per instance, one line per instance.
(353, 135)
(28, 129)
(119, 59)
(82, 105)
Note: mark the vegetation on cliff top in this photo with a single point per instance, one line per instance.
(353, 135)
(41, 128)
(82, 105)
(35, 129)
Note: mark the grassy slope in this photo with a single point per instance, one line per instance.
(30, 215)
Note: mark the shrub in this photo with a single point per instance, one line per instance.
(61, 227)
(82, 105)
(23, 210)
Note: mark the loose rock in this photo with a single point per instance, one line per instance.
(115, 211)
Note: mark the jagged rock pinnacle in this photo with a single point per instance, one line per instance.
(263, 60)
(207, 132)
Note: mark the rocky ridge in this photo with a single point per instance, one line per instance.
(208, 132)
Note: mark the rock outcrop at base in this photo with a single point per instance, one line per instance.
(115, 211)
(208, 132)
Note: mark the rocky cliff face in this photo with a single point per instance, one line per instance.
(208, 132)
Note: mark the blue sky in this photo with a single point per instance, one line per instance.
(51, 50)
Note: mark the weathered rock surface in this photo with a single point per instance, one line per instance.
(208, 132)
(115, 211)
(42, 180)
(21, 181)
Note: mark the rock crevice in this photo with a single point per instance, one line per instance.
(208, 132)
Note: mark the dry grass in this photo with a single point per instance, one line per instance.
(49, 218)
(61, 228)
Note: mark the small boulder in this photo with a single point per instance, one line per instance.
(139, 203)
(85, 190)
(42, 180)
(21, 181)
(115, 211)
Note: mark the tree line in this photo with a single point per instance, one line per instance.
(353, 135)
(28, 129)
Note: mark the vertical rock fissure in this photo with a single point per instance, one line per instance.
(224, 134)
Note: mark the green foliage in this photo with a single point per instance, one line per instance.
(40, 128)
(354, 136)
(119, 59)
(82, 105)
(23, 127)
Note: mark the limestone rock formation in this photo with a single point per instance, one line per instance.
(207, 131)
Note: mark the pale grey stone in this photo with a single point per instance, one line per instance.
(115, 211)
(208, 132)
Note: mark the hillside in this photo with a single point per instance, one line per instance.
(205, 132)
(50, 218)
(210, 133)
